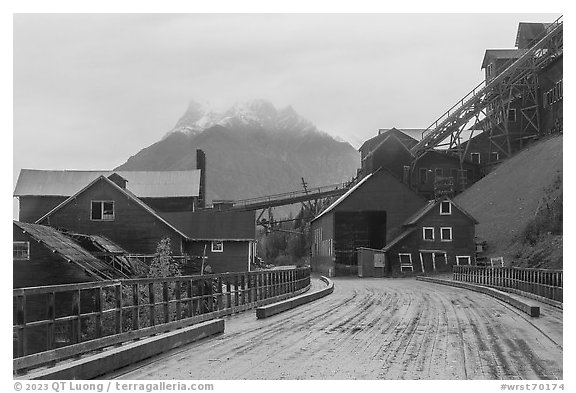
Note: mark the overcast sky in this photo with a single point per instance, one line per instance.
(90, 90)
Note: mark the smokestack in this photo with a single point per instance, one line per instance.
(201, 164)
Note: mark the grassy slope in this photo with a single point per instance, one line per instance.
(506, 201)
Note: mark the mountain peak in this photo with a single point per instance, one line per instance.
(256, 113)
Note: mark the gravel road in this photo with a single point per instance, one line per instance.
(375, 329)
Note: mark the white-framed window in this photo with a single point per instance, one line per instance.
(512, 114)
(102, 210)
(446, 234)
(445, 208)
(475, 157)
(463, 260)
(21, 251)
(405, 261)
(217, 246)
(428, 233)
(489, 70)
(494, 156)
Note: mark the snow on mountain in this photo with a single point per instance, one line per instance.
(253, 114)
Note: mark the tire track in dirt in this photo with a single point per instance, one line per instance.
(369, 329)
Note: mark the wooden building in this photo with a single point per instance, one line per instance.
(45, 256)
(367, 215)
(390, 149)
(435, 238)
(227, 238)
(40, 191)
(106, 208)
(519, 116)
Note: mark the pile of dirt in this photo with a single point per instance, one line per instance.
(519, 207)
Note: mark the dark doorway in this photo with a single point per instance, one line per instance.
(354, 230)
(427, 262)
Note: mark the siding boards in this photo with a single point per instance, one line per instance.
(133, 228)
(234, 258)
(31, 208)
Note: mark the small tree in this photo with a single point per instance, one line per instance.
(163, 265)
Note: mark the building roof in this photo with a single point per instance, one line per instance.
(62, 245)
(120, 189)
(346, 195)
(210, 224)
(528, 32)
(501, 54)
(145, 184)
(398, 238)
(429, 206)
(409, 137)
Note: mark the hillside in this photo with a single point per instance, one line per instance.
(519, 207)
(251, 150)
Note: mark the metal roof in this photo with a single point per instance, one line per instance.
(408, 136)
(212, 224)
(144, 184)
(501, 54)
(128, 193)
(398, 239)
(343, 197)
(62, 245)
(431, 204)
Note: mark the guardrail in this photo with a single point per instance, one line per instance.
(540, 282)
(92, 315)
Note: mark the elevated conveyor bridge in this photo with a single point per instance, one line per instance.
(517, 80)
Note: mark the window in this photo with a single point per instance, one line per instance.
(423, 175)
(405, 262)
(217, 246)
(446, 234)
(463, 260)
(406, 173)
(438, 173)
(463, 175)
(102, 211)
(494, 156)
(428, 233)
(445, 208)
(475, 157)
(489, 70)
(512, 114)
(453, 174)
(21, 250)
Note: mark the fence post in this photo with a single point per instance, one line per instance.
(22, 349)
(152, 303)
(118, 313)
(50, 315)
(178, 301)
(76, 328)
(135, 307)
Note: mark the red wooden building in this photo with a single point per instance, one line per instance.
(435, 238)
(40, 191)
(390, 149)
(367, 215)
(107, 207)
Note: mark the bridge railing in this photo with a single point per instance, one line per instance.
(541, 282)
(64, 320)
(292, 194)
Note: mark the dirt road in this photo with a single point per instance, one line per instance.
(376, 329)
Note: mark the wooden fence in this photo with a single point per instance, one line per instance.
(541, 282)
(52, 317)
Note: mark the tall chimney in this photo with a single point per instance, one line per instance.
(201, 164)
